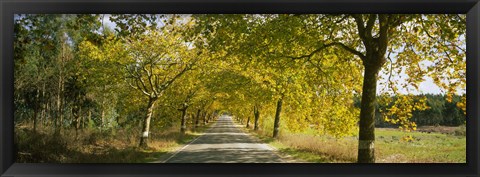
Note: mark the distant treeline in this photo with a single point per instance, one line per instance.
(441, 112)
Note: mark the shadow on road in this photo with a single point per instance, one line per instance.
(225, 143)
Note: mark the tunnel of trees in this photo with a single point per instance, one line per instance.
(336, 74)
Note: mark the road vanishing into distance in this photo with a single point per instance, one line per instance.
(225, 142)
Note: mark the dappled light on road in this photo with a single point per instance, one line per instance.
(225, 142)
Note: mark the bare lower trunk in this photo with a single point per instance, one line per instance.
(36, 109)
(146, 123)
(248, 121)
(204, 118)
(276, 124)
(76, 119)
(366, 149)
(82, 120)
(183, 127)
(43, 107)
(89, 117)
(48, 113)
(207, 118)
(102, 119)
(35, 117)
(58, 113)
(256, 113)
(197, 118)
(42, 115)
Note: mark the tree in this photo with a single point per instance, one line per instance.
(47, 46)
(152, 66)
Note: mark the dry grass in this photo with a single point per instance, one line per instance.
(443, 129)
(311, 148)
(325, 149)
(94, 146)
(446, 145)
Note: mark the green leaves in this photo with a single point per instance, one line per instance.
(315, 62)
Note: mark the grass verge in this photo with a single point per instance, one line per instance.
(390, 147)
(93, 146)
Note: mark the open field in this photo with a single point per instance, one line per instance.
(390, 144)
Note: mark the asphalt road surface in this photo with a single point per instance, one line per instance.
(225, 142)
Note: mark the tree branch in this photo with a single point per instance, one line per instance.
(311, 53)
(167, 83)
(370, 24)
(360, 26)
(341, 45)
(351, 50)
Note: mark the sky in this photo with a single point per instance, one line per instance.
(425, 87)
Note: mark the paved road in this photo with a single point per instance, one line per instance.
(225, 142)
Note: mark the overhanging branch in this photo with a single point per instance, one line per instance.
(341, 45)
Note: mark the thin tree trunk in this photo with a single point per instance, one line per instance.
(248, 121)
(183, 127)
(204, 115)
(206, 118)
(42, 114)
(366, 149)
(89, 117)
(48, 113)
(190, 119)
(43, 107)
(35, 117)
(197, 118)
(256, 113)
(102, 119)
(82, 120)
(276, 124)
(59, 108)
(146, 123)
(61, 87)
(102, 122)
(76, 119)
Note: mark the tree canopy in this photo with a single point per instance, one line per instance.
(334, 74)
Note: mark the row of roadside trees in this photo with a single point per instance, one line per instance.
(73, 71)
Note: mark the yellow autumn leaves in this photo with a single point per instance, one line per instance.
(402, 110)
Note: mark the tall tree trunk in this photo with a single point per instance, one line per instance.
(102, 119)
(366, 149)
(256, 113)
(59, 114)
(190, 119)
(36, 108)
(35, 117)
(146, 123)
(48, 113)
(42, 114)
(183, 126)
(276, 124)
(76, 119)
(248, 121)
(89, 117)
(204, 116)
(61, 87)
(82, 120)
(207, 118)
(61, 108)
(43, 107)
(197, 118)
